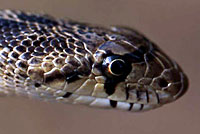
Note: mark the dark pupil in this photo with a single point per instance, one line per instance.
(117, 67)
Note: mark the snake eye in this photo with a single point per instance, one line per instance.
(117, 67)
(114, 66)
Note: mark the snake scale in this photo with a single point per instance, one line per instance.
(72, 62)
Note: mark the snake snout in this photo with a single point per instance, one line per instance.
(170, 85)
(183, 86)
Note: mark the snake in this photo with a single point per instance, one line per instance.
(62, 60)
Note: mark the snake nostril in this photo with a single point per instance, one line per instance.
(163, 83)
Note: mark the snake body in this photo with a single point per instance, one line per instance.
(67, 61)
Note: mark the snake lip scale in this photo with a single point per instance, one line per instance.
(72, 62)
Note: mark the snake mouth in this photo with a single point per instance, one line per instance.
(107, 103)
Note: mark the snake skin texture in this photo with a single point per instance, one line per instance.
(67, 61)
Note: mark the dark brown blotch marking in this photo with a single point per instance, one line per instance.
(67, 95)
(42, 38)
(45, 44)
(37, 84)
(72, 77)
(21, 64)
(26, 42)
(55, 76)
(8, 38)
(32, 37)
(113, 103)
(69, 51)
(3, 43)
(70, 45)
(48, 49)
(36, 43)
(79, 44)
(5, 54)
(58, 49)
(39, 49)
(30, 49)
(63, 45)
(131, 106)
(20, 48)
(70, 40)
(109, 86)
(54, 43)
(14, 55)
(20, 37)
(142, 106)
(147, 95)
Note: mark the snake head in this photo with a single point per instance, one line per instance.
(79, 63)
(136, 71)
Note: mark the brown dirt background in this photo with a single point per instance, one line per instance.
(174, 25)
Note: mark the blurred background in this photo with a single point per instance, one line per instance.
(173, 25)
